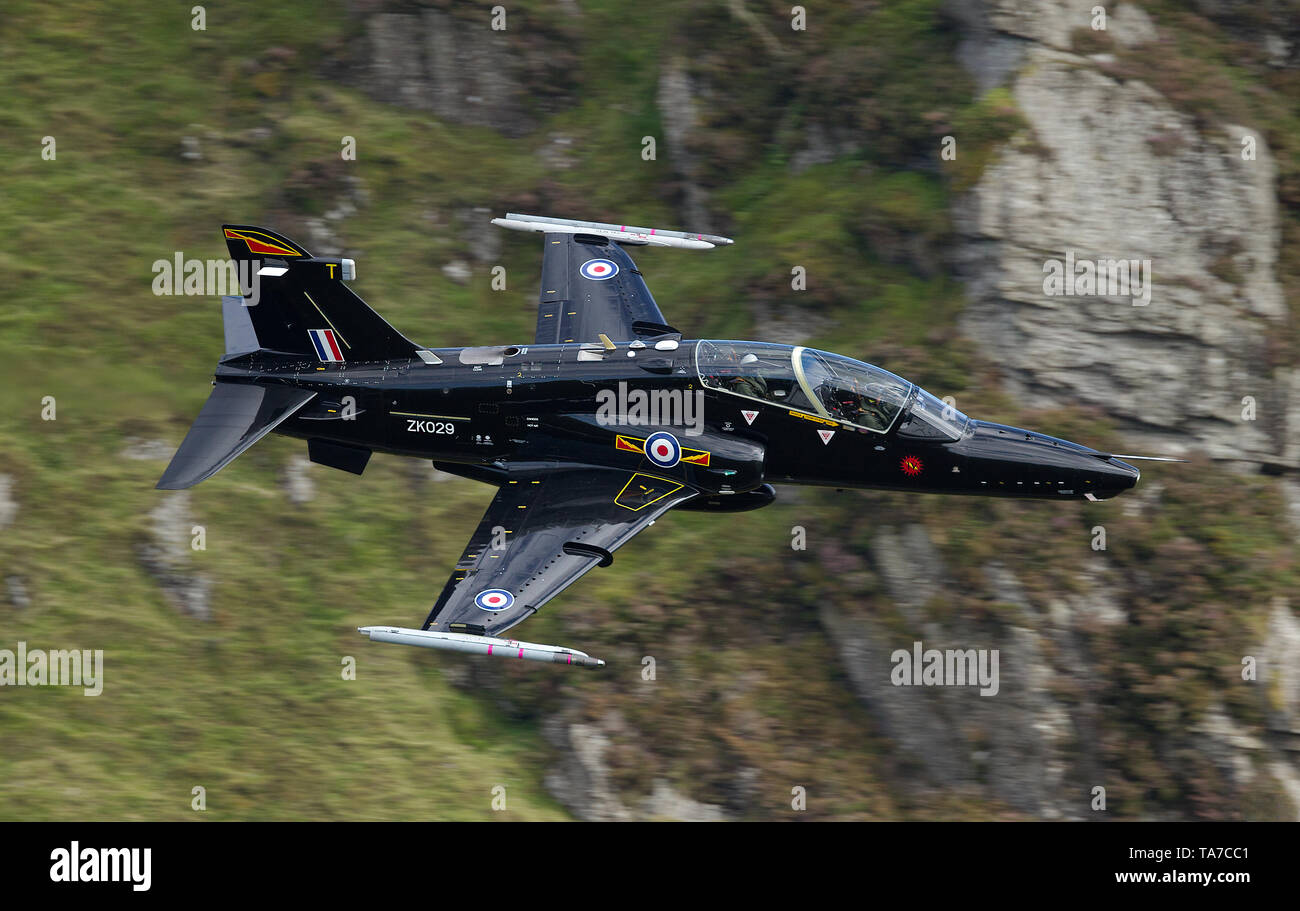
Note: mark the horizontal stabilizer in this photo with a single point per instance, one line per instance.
(234, 417)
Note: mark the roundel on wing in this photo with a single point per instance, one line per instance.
(598, 269)
(494, 599)
(663, 449)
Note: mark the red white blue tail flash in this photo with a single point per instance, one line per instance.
(327, 348)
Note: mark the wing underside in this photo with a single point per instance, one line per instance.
(543, 531)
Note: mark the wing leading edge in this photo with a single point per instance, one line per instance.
(542, 531)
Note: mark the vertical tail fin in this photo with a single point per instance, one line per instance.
(241, 337)
(300, 303)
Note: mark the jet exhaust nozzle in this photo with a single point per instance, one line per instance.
(479, 645)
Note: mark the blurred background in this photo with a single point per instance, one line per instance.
(919, 160)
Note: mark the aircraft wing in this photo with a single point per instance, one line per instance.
(589, 289)
(543, 530)
(590, 286)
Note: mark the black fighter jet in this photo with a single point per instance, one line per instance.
(591, 430)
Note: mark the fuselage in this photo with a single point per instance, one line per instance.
(737, 416)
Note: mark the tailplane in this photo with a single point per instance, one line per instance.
(234, 417)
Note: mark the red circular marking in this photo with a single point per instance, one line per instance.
(911, 466)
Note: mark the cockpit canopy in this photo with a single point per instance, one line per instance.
(933, 419)
(817, 382)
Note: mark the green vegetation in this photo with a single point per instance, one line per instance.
(251, 704)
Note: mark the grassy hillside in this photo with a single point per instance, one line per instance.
(250, 704)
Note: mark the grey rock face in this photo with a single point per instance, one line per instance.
(582, 780)
(324, 233)
(298, 481)
(458, 271)
(16, 589)
(8, 505)
(147, 450)
(1115, 172)
(991, 56)
(677, 106)
(1280, 668)
(1015, 744)
(457, 70)
(164, 553)
(666, 803)
(483, 237)
(1051, 23)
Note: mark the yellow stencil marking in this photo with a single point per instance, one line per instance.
(814, 419)
(671, 490)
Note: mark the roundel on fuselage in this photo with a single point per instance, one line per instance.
(663, 449)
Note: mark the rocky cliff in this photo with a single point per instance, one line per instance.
(1109, 169)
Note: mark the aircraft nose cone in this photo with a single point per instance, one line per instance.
(1109, 476)
(1021, 462)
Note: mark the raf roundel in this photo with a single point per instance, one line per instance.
(494, 599)
(663, 449)
(598, 269)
